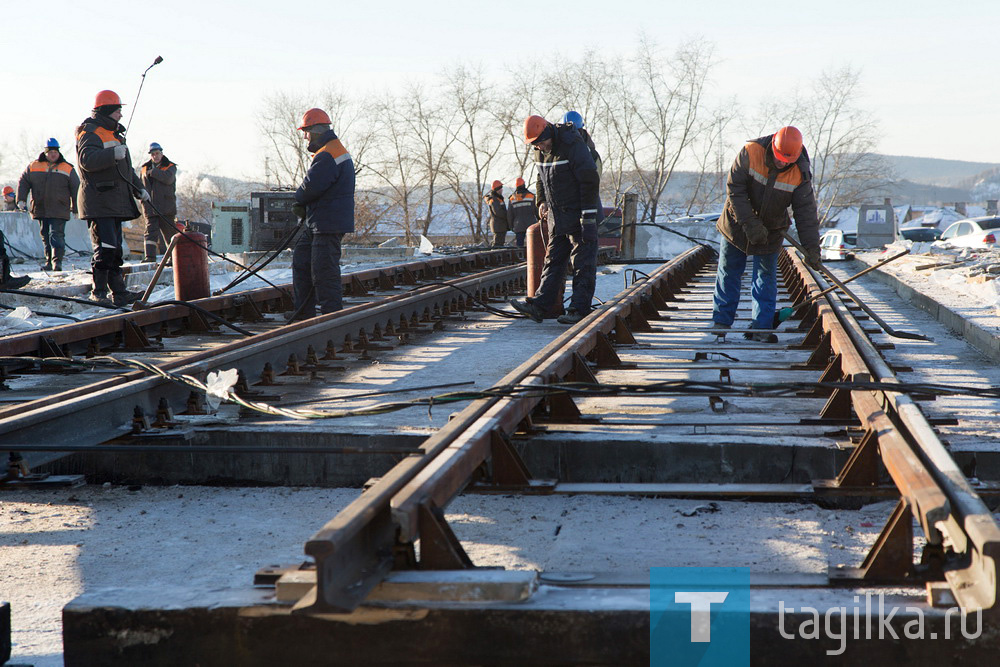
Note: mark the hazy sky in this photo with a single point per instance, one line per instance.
(928, 68)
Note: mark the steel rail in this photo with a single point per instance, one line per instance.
(103, 410)
(104, 332)
(951, 514)
(355, 550)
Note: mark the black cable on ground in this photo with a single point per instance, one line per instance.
(281, 247)
(14, 248)
(59, 297)
(43, 313)
(476, 299)
(207, 313)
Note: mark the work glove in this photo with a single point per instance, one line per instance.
(22, 206)
(589, 224)
(543, 211)
(813, 258)
(299, 210)
(756, 232)
(120, 151)
(143, 195)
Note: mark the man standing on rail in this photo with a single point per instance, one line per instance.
(159, 178)
(326, 201)
(53, 184)
(499, 224)
(769, 175)
(108, 190)
(521, 211)
(566, 189)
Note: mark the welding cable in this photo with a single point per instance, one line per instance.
(253, 268)
(490, 308)
(692, 239)
(4, 306)
(14, 248)
(207, 313)
(59, 297)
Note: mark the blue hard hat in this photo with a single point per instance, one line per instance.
(155, 147)
(51, 143)
(575, 118)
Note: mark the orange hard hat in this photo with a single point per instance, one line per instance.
(315, 117)
(497, 184)
(107, 97)
(7, 190)
(519, 182)
(787, 144)
(533, 127)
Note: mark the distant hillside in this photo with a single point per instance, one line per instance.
(932, 171)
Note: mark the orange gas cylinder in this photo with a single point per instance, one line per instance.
(536, 248)
(190, 259)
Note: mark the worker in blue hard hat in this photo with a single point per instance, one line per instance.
(53, 184)
(159, 178)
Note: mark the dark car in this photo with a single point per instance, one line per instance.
(918, 234)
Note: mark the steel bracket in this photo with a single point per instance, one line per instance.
(440, 549)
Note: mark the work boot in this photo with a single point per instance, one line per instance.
(120, 295)
(571, 316)
(57, 258)
(99, 293)
(761, 337)
(9, 281)
(528, 309)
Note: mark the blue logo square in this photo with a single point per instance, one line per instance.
(699, 616)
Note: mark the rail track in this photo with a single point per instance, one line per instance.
(655, 333)
(82, 407)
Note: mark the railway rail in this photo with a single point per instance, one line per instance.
(657, 327)
(89, 408)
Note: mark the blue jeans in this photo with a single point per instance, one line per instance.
(729, 282)
(53, 232)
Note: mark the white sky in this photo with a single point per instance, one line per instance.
(928, 68)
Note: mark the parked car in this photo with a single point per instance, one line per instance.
(920, 234)
(972, 233)
(837, 244)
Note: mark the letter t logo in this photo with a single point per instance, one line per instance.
(701, 611)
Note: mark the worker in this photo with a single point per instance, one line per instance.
(9, 201)
(771, 170)
(521, 211)
(108, 190)
(576, 120)
(159, 178)
(53, 184)
(326, 201)
(566, 190)
(499, 224)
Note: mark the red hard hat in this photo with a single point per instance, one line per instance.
(315, 117)
(7, 190)
(107, 97)
(533, 127)
(519, 182)
(787, 144)
(497, 184)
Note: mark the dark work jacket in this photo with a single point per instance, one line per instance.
(53, 187)
(498, 212)
(567, 180)
(107, 186)
(593, 150)
(756, 190)
(327, 191)
(521, 210)
(160, 181)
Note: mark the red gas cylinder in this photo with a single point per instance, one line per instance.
(536, 248)
(190, 259)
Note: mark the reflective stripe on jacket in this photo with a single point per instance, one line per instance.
(53, 187)
(756, 190)
(567, 180)
(328, 188)
(521, 210)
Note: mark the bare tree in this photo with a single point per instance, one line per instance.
(394, 167)
(197, 191)
(428, 123)
(711, 154)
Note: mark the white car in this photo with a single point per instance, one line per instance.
(837, 244)
(972, 233)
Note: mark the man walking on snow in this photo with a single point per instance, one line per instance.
(769, 175)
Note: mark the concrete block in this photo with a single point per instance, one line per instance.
(428, 586)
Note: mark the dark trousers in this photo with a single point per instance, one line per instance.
(53, 232)
(316, 273)
(106, 242)
(519, 239)
(157, 228)
(499, 238)
(581, 256)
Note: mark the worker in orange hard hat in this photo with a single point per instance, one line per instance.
(769, 175)
(499, 224)
(325, 202)
(108, 190)
(521, 211)
(9, 199)
(566, 191)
